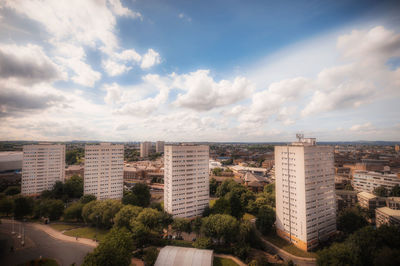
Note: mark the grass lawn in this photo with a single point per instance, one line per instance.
(248, 216)
(87, 232)
(62, 227)
(292, 249)
(223, 262)
(42, 262)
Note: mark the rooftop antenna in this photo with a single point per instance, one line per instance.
(300, 136)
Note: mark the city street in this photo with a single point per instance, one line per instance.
(39, 243)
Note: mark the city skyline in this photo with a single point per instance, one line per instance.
(138, 70)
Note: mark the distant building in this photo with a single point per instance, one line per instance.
(104, 166)
(368, 181)
(10, 161)
(305, 193)
(160, 146)
(393, 203)
(43, 165)
(345, 199)
(74, 170)
(145, 148)
(255, 183)
(370, 201)
(186, 179)
(180, 256)
(397, 147)
(387, 216)
(243, 169)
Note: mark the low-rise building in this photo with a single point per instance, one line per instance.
(370, 201)
(180, 256)
(74, 170)
(393, 203)
(387, 216)
(368, 181)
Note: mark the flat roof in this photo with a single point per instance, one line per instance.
(367, 195)
(390, 212)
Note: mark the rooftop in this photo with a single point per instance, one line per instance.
(390, 212)
(180, 256)
(367, 195)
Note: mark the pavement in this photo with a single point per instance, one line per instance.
(41, 240)
(236, 260)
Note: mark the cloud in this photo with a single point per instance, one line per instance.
(362, 127)
(117, 63)
(114, 93)
(123, 11)
(27, 64)
(114, 69)
(184, 17)
(151, 58)
(16, 100)
(202, 93)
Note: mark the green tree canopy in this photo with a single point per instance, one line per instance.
(180, 225)
(142, 193)
(50, 208)
(73, 187)
(74, 211)
(381, 191)
(116, 249)
(6, 206)
(22, 206)
(126, 214)
(350, 220)
(13, 190)
(265, 219)
(101, 213)
(87, 198)
(220, 227)
(395, 192)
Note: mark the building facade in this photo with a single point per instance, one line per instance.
(305, 193)
(387, 216)
(186, 179)
(42, 166)
(368, 181)
(145, 148)
(104, 171)
(160, 146)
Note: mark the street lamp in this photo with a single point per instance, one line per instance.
(13, 232)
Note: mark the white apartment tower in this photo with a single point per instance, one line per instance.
(160, 146)
(305, 192)
(186, 179)
(145, 148)
(42, 166)
(104, 171)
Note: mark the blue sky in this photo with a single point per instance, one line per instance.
(199, 70)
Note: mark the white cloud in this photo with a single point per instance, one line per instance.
(114, 69)
(114, 93)
(362, 127)
(151, 58)
(202, 93)
(123, 11)
(27, 64)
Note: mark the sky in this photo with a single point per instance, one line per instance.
(245, 71)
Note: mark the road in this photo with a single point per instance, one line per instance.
(39, 243)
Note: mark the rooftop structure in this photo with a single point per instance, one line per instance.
(388, 216)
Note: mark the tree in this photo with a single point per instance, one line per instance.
(180, 225)
(350, 220)
(142, 193)
(101, 213)
(87, 198)
(22, 206)
(13, 190)
(129, 198)
(114, 250)
(395, 192)
(6, 206)
(50, 208)
(213, 186)
(381, 191)
(126, 214)
(140, 233)
(196, 225)
(217, 171)
(221, 206)
(220, 227)
(74, 211)
(150, 218)
(73, 187)
(203, 243)
(265, 219)
(150, 256)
